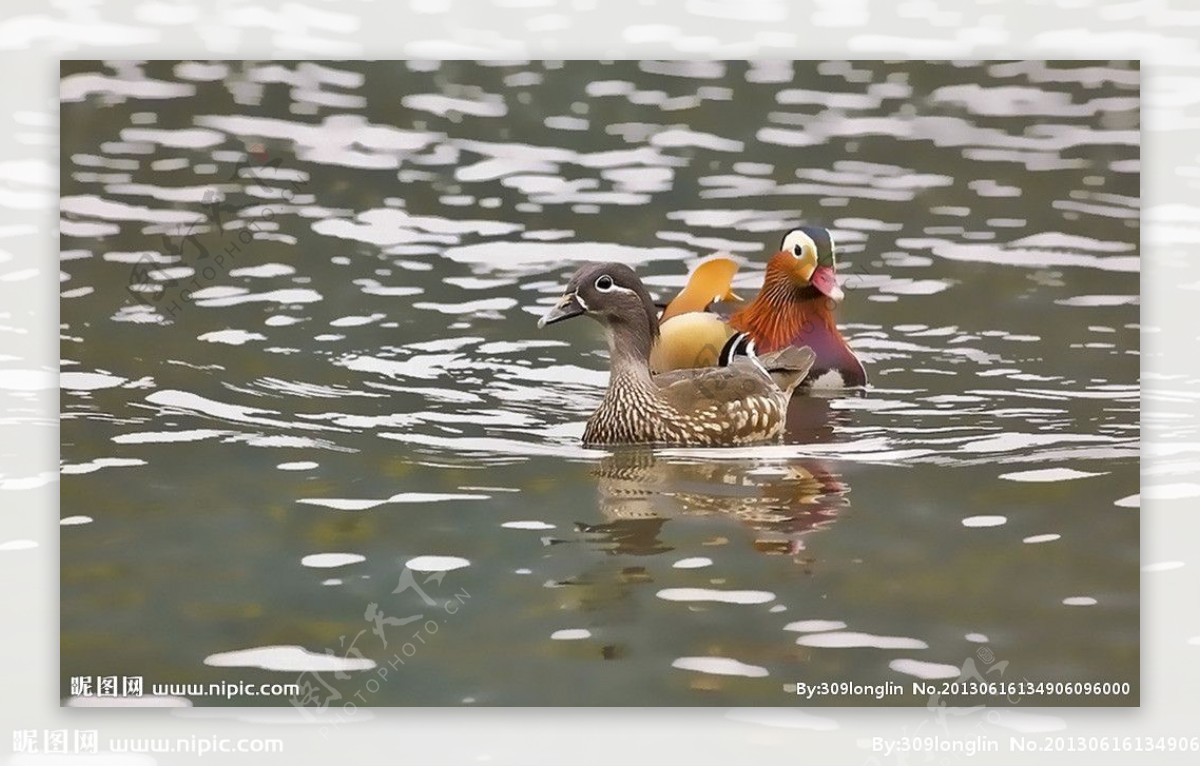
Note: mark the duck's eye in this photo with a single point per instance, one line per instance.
(798, 250)
(604, 283)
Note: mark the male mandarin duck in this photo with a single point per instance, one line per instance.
(795, 308)
(743, 403)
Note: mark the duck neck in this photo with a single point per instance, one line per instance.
(629, 347)
(783, 314)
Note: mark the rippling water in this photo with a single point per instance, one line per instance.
(301, 377)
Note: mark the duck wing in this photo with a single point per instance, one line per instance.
(711, 281)
(715, 389)
(789, 366)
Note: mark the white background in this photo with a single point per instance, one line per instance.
(1164, 35)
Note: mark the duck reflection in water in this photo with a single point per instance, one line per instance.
(781, 501)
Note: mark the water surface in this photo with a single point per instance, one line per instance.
(304, 391)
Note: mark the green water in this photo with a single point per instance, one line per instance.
(380, 239)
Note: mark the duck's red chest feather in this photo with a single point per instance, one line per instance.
(778, 321)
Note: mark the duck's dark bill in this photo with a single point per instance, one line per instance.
(567, 307)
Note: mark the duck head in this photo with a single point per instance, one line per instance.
(808, 258)
(800, 282)
(611, 294)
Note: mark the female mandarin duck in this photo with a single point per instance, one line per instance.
(743, 403)
(794, 308)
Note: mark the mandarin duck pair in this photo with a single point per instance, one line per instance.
(692, 377)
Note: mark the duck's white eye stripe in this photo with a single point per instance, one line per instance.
(604, 283)
(797, 242)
